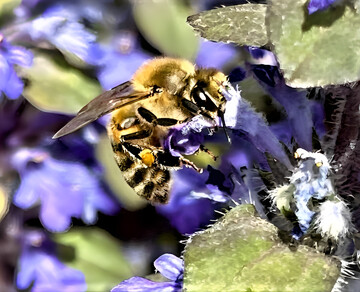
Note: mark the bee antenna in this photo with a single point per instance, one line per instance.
(221, 115)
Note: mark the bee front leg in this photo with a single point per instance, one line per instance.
(194, 108)
(149, 117)
(136, 135)
(164, 158)
(190, 164)
(206, 150)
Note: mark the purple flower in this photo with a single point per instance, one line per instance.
(192, 201)
(10, 84)
(65, 189)
(293, 100)
(261, 57)
(239, 115)
(237, 74)
(169, 266)
(318, 5)
(39, 265)
(122, 58)
(215, 55)
(118, 68)
(66, 34)
(186, 139)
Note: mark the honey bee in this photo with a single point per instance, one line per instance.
(163, 92)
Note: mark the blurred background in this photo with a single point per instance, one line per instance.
(69, 222)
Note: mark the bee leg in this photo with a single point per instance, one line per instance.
(147, 115)
(166, 159)
(190, 106)
(136, 135)
(190, 164)
(167, 122)
(194, 108)
(204, 149)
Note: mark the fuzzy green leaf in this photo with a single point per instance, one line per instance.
(53, 88)
(163, 24)
(242, 252)
(98, 256)
(317, 49)
(240, 24)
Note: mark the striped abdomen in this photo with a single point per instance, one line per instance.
(152, 183)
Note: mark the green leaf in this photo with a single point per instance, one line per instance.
(242, 252)
(98, 256)
(162, 22)
(317, 49)
(53, 88)
(4, 202)
(113, 176)
(7, 6)
(240, 24)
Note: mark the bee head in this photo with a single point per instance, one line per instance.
(206, 93)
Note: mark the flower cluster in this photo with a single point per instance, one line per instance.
(311, 197)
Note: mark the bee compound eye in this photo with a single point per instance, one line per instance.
(156, 89)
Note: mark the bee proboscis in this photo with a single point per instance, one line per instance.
(164, 92)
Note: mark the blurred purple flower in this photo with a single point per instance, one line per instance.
(65, 189)
(66, 34)
(215, 55)
(193, 200)
(169, 266)
(118, 68)
(318, 5)
(39, 265)
(122, 58)
(10, 84)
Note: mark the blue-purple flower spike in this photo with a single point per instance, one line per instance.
(39, 265)
(10, 83)
(66, 34)
(62, 192)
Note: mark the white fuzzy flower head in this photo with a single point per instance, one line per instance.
(334, 220)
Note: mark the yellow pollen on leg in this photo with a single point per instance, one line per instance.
(147, 157)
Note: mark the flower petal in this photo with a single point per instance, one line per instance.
(138, 284)
(20, 56)
(169, 266)
(317, 5)
(26, 195)
(14, 86)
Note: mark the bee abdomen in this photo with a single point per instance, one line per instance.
(152, 183)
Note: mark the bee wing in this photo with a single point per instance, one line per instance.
(106, 102)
